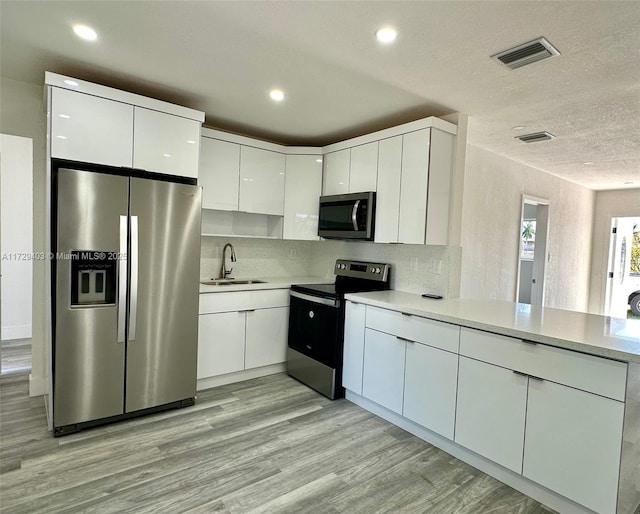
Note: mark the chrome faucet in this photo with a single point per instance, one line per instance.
(223, 270)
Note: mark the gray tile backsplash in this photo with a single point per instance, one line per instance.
(415, 268)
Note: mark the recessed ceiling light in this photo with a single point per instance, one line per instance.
(166, 155)
(277, 95)
(518, 127)
(61, 137)
(386, 35)
(318, 160)
(191, 141)
(65, 116)
(71, 83)
(588, 163)
(85, 32)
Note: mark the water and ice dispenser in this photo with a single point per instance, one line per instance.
(94, 277)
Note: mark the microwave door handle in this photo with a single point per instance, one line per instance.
(354, 215)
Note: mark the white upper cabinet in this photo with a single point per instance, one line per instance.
(413, 188)
(388, 190)
(262, 178)
(336, 172)
(98, 124)
(88, 128)
(303, 185)
(363, 172)
(165, 143)
(219, 174)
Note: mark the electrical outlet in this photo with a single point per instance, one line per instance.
(413, 264)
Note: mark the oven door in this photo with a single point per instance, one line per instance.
(314, 327)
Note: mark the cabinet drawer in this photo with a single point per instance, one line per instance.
(594, 374)
(422, 330)
(243, 300)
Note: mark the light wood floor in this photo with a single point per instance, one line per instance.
(16, 356)
(265, 445)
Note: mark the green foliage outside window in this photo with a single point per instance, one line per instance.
(635, 253)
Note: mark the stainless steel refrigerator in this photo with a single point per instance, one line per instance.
(125, 296)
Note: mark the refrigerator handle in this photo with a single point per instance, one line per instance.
(122, 280)
(134, 279)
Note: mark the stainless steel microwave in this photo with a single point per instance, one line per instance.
(348, 216)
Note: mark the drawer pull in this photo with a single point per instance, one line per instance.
(520, 373)
(404, 339)
(406, 314)
(249, 310)
(536, 378)
(533, 343)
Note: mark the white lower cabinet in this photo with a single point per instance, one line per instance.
(491, 412)
(220, 343)
(551, 415)
(383, 376)
(573, 443)
(266, 337)
(242, 330)
(430, 383)
(353, 360)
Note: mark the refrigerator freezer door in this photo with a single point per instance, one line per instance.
(88, 360)
(161, 357)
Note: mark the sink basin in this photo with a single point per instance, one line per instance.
(230, 282)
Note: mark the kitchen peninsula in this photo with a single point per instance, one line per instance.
(545, 400)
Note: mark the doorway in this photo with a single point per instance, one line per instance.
(622, 291)
(532, 255)
(16, 250)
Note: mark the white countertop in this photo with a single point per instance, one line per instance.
(269, 283)
(604, 336)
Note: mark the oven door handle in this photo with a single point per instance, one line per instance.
(354, 215)
(315, 299)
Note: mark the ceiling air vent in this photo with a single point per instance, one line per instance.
(527, 53)
(535, 137)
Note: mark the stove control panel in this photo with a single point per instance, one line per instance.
(367, 270)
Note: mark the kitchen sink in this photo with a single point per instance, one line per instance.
(230, 282)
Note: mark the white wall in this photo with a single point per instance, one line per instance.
(608, 204)
(23, 114)
(16, 175)
(492, 200)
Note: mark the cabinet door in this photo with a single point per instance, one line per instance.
(490, 414)
(440, 171)
(383, 376)
(262, 176)
(303, 185)
(219, 174)
(363, 172)
(413, 189)
(353, 346)
(336, 172)
(388, 191)
(266, 340)
(430, 384)
(165, 143)
(572, 443)
(220, 343)
(91, 129)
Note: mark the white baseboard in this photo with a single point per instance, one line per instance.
(506, 476)
(16, 332)
(37, 385)
(240, 376)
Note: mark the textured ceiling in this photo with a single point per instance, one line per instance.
(224, 57)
